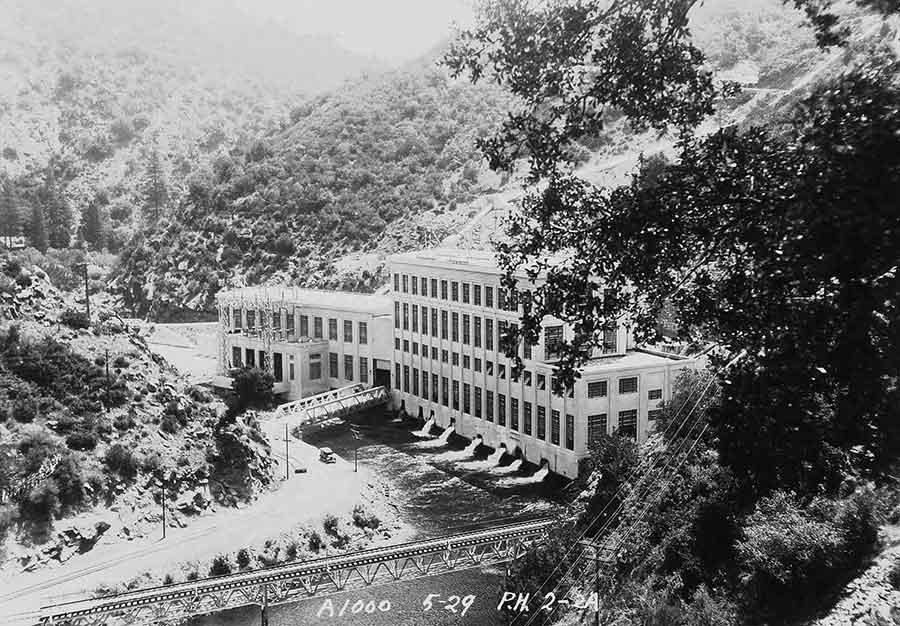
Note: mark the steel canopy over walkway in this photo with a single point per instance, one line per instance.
(292, 582)
(336, 403)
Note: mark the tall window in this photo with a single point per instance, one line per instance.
(276, 320)
(415, 318)
(476, 339)
(397, 376)
(570, 431)
(628, 423)
(406, 378)
(477, 401)
(467, 398)
(415, 372)
(235, 356)
(405, 283)
(289, 323)
(501, 409)
(445, 391)
(332, 329)
(443, 290)
(465, 293)
(454, 326)
(514, 413)
(424, 282)
(454, 291)
(553, 338)
(434, 323)
(333, 364)
(363, 369)
(434, 387)
(405, 316)
(596, 427)
(489, 297)
(489, 405)
(444, 324)
(466, 329)
(277, 367)
(315, 366)
(348, 331)
(488, 334)
(250, 357)
(396, 314)
(348, 367)
(455, 395)
(501, 298)
(542, 423)
(415, 285)
(396, 282)
(304, 326)
(434, 291)
(251, 319)
(238, 318)
(609, 341)
(476, 295)
(363, 333)
(554, 427)
(424, 380)
(526, 418)
(424, 320)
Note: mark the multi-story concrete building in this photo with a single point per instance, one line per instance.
(310, 340)
(449, 313)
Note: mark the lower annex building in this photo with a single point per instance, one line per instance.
(434, 341)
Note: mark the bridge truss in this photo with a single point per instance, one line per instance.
(297, 581)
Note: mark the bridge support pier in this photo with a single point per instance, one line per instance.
(264, 608)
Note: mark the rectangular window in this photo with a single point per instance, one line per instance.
(348, 367)
(363, 369)
(397, 376)
(434, 291)
(489, 297)
(488, 334)
(251, 319)
(348, 331)
(250, 357)
(527, 378)
(527, 350)
(415, 285)
(466, 329)
(333, 364)
(489, 368)
(443, 290)
(235, 356)
(405, 283)
(653, 414)
(654, 394)
(396, 343)
(415, 372)
(434, 387)
(477, 364)
(304, 326)
(445, 356)
(415, 348)
(526, 418)
(396, 314)
(476, 293)
(476, 331)
(454, 327)
(444, 324)
(291, 372)
(501, 341)
(501, 409)
(454, 291)
(415, 318)
(363, 333)
(570, 432)
(406, 378)
(277, 367)
(238, 318)
(542, 423)
(405, 316)
(434, 353)
(424, 320)
(501, 371)
(465, 293)
(554, 427)
(332, 329)
(477, 401)
(628, 423)
(467, 362)
(553, 338)
(424, 382)
(514, 413)
(315, 366)
(276, 320)
(396, 282)
(596, 428)
(628, 385)
(317, 327)
(456, 358)
(597, 389)
(489, 405)
(289, 324)
(501, 298)
(424, 282)
(445, 391)
(541, 382)
(456, 395)
(609, 341)
(406, 345)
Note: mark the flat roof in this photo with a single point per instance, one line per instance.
(461, 258)
(315, 298)
(632, 358)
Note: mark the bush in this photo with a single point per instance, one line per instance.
(75, 319)
(363, 519)
(83, 438)
(315, 542)
(168, 580)
(120, 460)
(121, 362)
(893, 576)
(290, 551)
(192, 575)
(221, 566)
(330, 524)
(252, 387)
(124, 422)
(243, 558)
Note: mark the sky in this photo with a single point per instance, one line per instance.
(391, 30)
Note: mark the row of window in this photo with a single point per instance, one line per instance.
(362, 331)
(247, 357)
(480, 403)
(457, 291)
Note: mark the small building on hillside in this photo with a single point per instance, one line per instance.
(310, 340)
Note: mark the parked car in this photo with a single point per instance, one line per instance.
(326, 455)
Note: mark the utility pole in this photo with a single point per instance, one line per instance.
(87, 298)
(163, 483)
(286, 463)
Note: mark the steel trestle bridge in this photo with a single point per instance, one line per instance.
(296, 581)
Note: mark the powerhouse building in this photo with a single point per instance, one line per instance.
(434, 340)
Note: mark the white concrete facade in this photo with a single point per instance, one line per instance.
(447, 362)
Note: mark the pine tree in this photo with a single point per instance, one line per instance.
(92, 225)
(37, 229)
(57, 212)
(10, 213)
(155, 186)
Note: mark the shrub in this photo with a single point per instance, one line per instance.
(42, 503)
(284, 245)
(221, 566)
(75, 319)
(8, 517)
(120, 460)
(124, 422)
(243, 558)
(192, 575)
(330, 524)
(121, 362)
(83, 438)
(315, 541)
(363, 519)
(893, 576)
(168, 580)
(252, 387)
(290, 551)
(24, 410)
